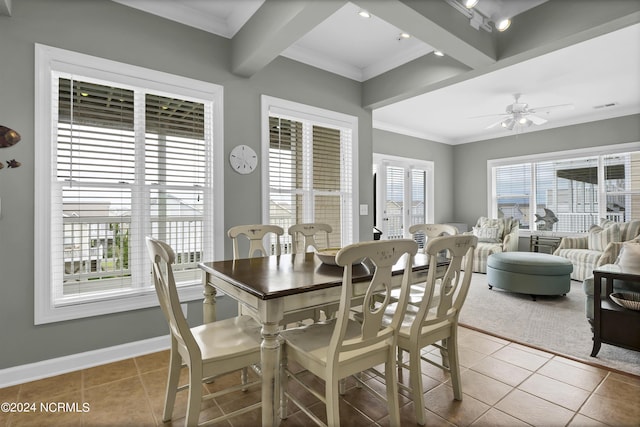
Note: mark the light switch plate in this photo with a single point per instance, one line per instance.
(364, 209)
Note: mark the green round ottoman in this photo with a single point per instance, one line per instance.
(530, 273)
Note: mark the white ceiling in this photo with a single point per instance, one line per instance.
(602, 70)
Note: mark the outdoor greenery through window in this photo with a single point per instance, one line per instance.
(568, 194)
(310, 176)
(127, 161)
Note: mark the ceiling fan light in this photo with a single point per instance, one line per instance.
(523, 121)
(503, 24)
(364, 14)
(470, 3)
(438, 53)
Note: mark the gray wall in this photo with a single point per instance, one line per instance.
(470, 160)
(107, 29)
(441, 155)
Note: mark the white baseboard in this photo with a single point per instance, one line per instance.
(61, 365)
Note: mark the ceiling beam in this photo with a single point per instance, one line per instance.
(273, 28)
(440, 26)
(549, 27)
(5, 7)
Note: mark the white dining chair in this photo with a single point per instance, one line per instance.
(422, 233)
(255, 234)
(305, 236)
(342, 347)
(207, 350)
(436, 324)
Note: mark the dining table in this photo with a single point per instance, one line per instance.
(272, 287)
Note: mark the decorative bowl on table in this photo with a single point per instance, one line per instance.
(328, 256)
(630, 300)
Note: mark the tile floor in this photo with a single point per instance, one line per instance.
(504, 384)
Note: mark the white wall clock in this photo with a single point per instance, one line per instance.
(243, 159)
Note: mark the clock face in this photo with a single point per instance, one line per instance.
(243, 159)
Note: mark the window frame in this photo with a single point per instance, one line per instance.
(381, 161)
(319, 116)
(599, 152)
(50, 60)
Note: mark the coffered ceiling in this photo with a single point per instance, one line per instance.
(580, 52)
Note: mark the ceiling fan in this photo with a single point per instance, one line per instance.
(519, 114)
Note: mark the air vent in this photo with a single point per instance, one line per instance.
(608, 105)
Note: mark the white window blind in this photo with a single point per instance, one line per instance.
(566, 192)
(310, 174)
(128, 161)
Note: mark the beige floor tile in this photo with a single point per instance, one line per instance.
(153, 361)
(461, 413)
(123, 400)
(615, 386)
(534, 410)
(521, 358)
(478, 342)
(582, 365)
(570, 373)
(464, 330)
(495, 418)
(532, 350)
(560, 393)
(115, 371)
(630, 379)
(482, 387)
(619, 411)
(408, 418)
(581, 421)
(502, 371)
(51, 387)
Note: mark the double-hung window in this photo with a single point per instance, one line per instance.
(121, 153)
(568, 192)
(311, 171)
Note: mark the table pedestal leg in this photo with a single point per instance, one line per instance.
(270, 360)
(209, 303)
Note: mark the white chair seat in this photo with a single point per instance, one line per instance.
(229, 338)
(313, 341)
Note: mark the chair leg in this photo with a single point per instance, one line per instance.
(244, 377)
(195, 395)
(173, 377)
(284, 380)
(415, 382)
(454, 365)
(333, 401)
(391, 378)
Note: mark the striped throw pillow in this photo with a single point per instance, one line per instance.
(600, 237)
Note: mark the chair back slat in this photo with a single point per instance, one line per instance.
(453, 286)
(303, 236)
(255, 233)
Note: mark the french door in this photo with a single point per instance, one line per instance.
(404, 195)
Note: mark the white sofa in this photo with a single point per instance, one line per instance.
(598, 247)
(494, 236)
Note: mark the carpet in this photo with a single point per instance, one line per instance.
(553, 323)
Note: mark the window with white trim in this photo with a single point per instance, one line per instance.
(404, 195)
(311, 173)
(122, 153)
(568, 192)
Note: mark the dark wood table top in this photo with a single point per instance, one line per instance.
(289, 274)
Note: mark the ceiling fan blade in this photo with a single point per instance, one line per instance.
(536, 120)
(492, 125)
(549, 108)
(490, 115)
